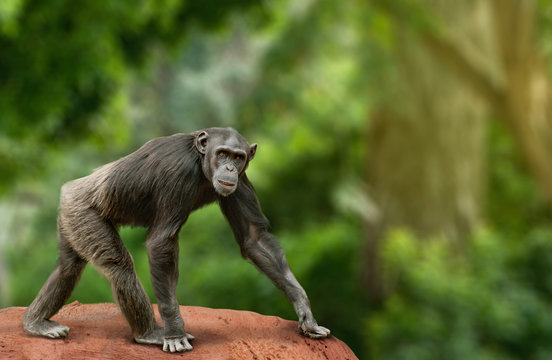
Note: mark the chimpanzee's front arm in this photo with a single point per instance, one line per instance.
(244, 214)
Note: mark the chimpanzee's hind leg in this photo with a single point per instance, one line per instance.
(55, 292)
(96, 240)
(87, 237)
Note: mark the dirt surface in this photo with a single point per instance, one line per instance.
(99, 331)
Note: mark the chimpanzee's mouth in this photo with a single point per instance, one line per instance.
(227, 184)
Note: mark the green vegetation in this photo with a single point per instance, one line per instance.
(489, 303)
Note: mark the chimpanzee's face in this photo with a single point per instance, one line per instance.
(226, 156)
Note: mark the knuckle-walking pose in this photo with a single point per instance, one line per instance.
(158, 186)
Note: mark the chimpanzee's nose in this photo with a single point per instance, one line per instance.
(230, 168)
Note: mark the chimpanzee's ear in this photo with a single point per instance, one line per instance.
(252, 151)
(201, 142)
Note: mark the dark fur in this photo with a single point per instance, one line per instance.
(158, 186)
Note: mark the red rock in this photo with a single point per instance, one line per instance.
(100, 331)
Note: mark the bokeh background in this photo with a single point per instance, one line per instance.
(405, 155)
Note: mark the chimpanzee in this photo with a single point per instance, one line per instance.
(158, 186)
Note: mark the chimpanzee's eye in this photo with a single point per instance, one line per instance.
(222, 154)
(239, 157)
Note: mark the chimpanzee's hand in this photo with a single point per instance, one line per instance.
(177, 344)
(310, 328)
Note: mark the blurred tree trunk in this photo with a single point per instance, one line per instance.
(514, 80)
(524, 101)
(426, 164)
(490, 47)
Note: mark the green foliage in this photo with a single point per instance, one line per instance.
(490, 300)
(84, 60)
(513, 196)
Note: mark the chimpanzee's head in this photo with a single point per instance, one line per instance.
(226, 155)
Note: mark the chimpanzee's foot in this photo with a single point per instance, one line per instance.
(154, 337)
(46, 328)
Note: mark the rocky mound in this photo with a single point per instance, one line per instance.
(99, 331)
